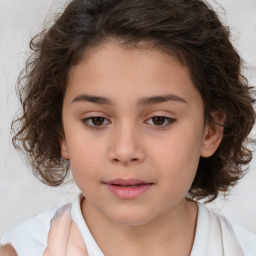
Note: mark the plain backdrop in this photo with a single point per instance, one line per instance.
(21, 195)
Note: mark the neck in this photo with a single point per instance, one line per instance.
(169, 234)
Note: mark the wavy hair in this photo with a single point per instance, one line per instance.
(190, 30)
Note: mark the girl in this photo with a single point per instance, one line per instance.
(145, 101)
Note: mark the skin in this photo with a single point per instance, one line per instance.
(7, 250)
(129, 143)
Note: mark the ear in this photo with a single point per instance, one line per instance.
(213, 134)
(64, 147)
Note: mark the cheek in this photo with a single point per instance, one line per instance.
(178, 157)
(85, 158)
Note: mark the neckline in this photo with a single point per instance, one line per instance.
(199, 244)
(202, 229)
(76, 214)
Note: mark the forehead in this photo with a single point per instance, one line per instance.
(119, 72)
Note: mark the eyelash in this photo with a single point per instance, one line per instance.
(168, 119)
(95, 127)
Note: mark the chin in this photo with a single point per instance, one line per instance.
(131, 218)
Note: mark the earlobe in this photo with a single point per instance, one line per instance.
(64, 148)
(213, 134)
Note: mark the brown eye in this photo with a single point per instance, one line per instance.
(97, 121)
(158, 120)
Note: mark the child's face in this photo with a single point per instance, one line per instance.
(150, 129)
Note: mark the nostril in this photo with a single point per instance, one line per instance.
(131, 160)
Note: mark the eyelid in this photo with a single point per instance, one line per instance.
(91, 126)
(169, 119)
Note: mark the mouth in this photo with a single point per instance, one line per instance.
(128, 189)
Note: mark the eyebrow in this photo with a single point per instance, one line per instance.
(160, 99)
(93, 99)
(155, 99)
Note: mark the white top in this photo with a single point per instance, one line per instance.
(215, 235)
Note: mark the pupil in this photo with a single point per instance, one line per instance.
(159, 120)
(98, 120)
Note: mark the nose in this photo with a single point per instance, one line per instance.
(126, 146)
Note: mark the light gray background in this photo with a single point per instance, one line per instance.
(21, 195)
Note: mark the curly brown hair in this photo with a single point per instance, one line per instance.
(190, 30)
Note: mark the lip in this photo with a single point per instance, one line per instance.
(128, 188)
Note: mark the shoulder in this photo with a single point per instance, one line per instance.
(246, 239)
(230, 231)
(30, 236)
